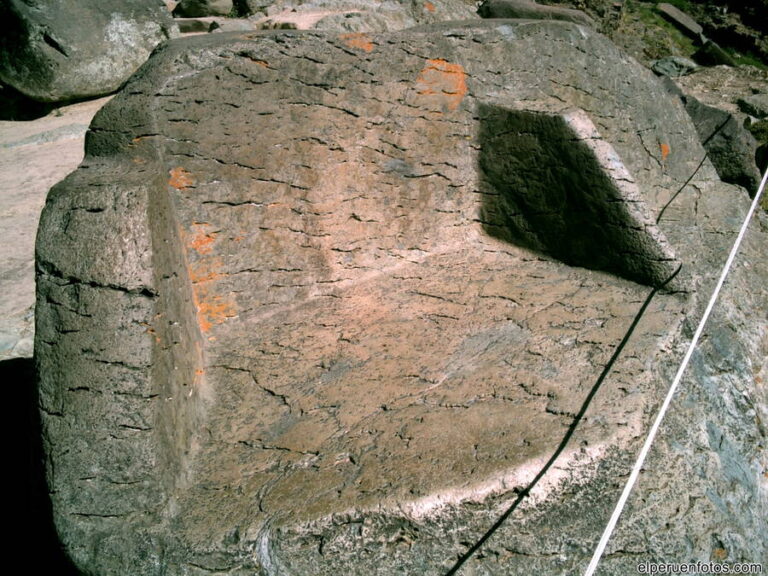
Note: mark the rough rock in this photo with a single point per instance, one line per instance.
(197, 8)
(528, 9)
(682, 20)
(729, 145)
(357, 16)
(760, 131)
(251, 7)
(674, 66)
(48, 54)
(287, 323)
(711, 54)
(755, 105)
(723, 86)
(193, 25)
(738, 24)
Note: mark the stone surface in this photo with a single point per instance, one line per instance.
(674, 66)
(251, 7)
(49, 55)
(193, 25)
(723, 86)
(729, 145)
(197, 8)
(356, 16)
(711, 54)
(681, 20)
(741, 25)
(275, 336)
(755, 105)
(528, 9)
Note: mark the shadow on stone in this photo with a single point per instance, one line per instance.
(551, 184)
(18, 374)
(16, 106)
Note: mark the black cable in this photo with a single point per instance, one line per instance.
(569, 433)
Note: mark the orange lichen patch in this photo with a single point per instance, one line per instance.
(202, 238)
(444, 80)
(180, 178)
(665, 150)
(719, 554)
(205, 272)
(429, 6)
(358, 40)
(212, 310)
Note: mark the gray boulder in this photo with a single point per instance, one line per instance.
(673, 66)
(532, 10)
(198, 8)
(326, 303)
(755, 105)
(729, 145)
(251, 7)
(712, 54)
(192, 25)
(55, 51)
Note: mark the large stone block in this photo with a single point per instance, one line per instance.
(291, 318)
(682, 20)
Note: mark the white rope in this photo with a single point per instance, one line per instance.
(675, 383)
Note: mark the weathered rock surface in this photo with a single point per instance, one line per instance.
(286, 325)
(738, 24)
(193, 25)
(712, 54)
(49, 54)
(729, 145)
(755, 105)
(363, 15)
(723, 88)
(528, 9)
(682, 20)
(196, 8)
(674, 66)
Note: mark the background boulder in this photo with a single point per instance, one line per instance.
(533, 10)
(729, 145)
(197, 8)
(54, 51)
